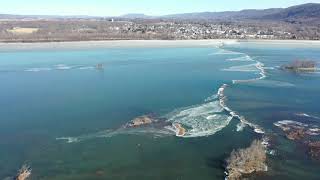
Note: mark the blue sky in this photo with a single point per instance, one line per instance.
(120, 7)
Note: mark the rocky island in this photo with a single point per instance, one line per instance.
(140, 121)
(24, 173)
(247, 161)
(301, 66)
(155, 122)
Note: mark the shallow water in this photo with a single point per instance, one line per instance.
(64, 117)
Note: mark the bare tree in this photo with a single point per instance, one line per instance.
(246, 161)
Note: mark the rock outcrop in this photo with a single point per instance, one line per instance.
(140, 121)
(302, 133)
(180, 131)
(314, 149)
(301, 65)
(294, 130)
(296, 134)
(246, 161)
(24, 173)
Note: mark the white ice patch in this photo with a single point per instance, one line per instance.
(259, 131)
(223, 52)
(265, 141)
(62, 67)
(69, 139)
(122, 131)
(269, 68)
(241, 58)
(256, 128)
(201, 120)
(259, 67)
(240, 126)
(314, 131)
(211, 98)
(86, 67)
(38, 69)
(307, 115)
(266, 83)
(290, 123)
(243, 68)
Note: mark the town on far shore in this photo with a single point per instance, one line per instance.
(300, 22)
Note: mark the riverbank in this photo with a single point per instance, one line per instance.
(150, 44)
(115, 44)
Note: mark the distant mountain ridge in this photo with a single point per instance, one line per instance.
(136, 16)
(302, 12)
(310, 10)
(250, 13)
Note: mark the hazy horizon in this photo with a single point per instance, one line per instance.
(122, 7)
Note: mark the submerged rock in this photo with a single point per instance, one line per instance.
(140, 121)
(301, 65)
(244, 162)
(152, 121)
(99, 173)
(180, 131)
(301, 133)
(296, 134)
(296, 130)
(99, 66)
(24, 173)
(314, 149)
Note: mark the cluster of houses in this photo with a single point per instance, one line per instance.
(207, 31)
(83, 29)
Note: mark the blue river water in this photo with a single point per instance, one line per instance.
(64, 116)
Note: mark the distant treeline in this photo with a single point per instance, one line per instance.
(82, 30)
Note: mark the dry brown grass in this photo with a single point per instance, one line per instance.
(18, 30)
(247, 161)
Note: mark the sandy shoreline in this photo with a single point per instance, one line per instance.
(150, 44)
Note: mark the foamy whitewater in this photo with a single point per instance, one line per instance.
(267, 83)
(157, 111)
(199, 120)
(257, 67)
(224, 52)
(307, 115)
(202, 120)
(60, 67)
(156, 133)
(38, 69)
(241, 58)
